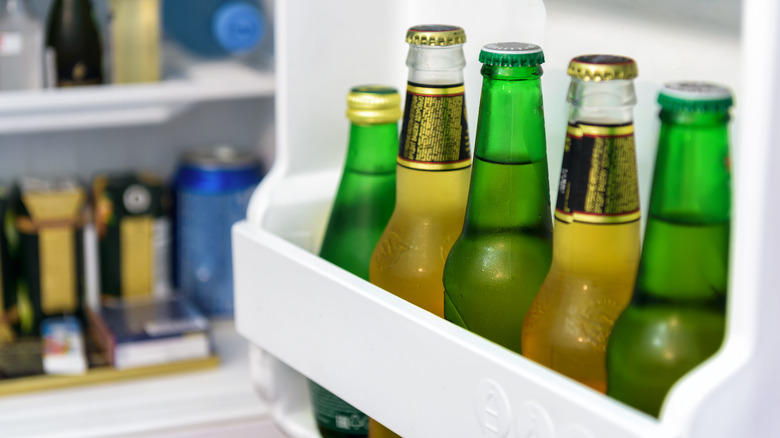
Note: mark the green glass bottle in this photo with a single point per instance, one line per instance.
(364, 202)
(74, 56)
(504, 252)
(677, 315)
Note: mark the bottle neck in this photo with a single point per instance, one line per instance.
(598, 227)
(510, 184)
(586, 249)
(602, 103)
(78, 7)
(434, 132)
(436, 65)
(372, 148)
(692, 178)
(434, 135)
(510, 127)
(426, 194)
(686, 247)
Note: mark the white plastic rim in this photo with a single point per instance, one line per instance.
(511, 48)
(695, 90)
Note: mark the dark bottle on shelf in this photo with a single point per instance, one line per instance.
(597, 225)
(73, 49)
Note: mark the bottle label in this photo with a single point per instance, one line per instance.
(11, 44)
(54, 229)
(598, 182)
(335, 414)
(434, 134)
(79, 74)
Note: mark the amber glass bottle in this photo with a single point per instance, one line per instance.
(432, 175)
(597, 225)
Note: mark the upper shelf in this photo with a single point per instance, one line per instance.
(134, 104)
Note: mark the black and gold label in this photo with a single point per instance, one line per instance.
(129, 208)
(52, 232)
(434, 133)
(598, 182)
(80, 74)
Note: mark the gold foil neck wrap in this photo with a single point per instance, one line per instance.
(435, 35)
(373, 104)
(602, 68)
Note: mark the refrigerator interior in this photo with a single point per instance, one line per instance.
(84, 131)
(422, 376)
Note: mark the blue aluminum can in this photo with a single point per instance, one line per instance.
(213, 187)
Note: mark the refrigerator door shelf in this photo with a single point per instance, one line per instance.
(422, 376)
(435, 379)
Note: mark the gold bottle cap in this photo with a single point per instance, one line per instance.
(435, 35)
(602, 68)
(373, 104)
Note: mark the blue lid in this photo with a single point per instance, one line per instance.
(237, 26)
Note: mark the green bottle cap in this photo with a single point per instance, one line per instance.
(511, 54)
(371, 104)
(695, 96)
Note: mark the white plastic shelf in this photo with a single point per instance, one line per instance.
(217, 401)
(422, 376)
(360, 341)
(132, 104)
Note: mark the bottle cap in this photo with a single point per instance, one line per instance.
(695, 96)
(373, 104)
(435, 35)
(511, 54)
(602, 68)
(237, 27)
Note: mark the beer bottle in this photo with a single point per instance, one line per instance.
(677, 315)
(363, 205)
(73, 49)
(597, 226)
(503, 253)
(135, 40)
(433, 167)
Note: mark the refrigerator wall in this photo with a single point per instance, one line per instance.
(420, 375)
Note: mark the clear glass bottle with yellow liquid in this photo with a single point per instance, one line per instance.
(432, 179)
(597, 225)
